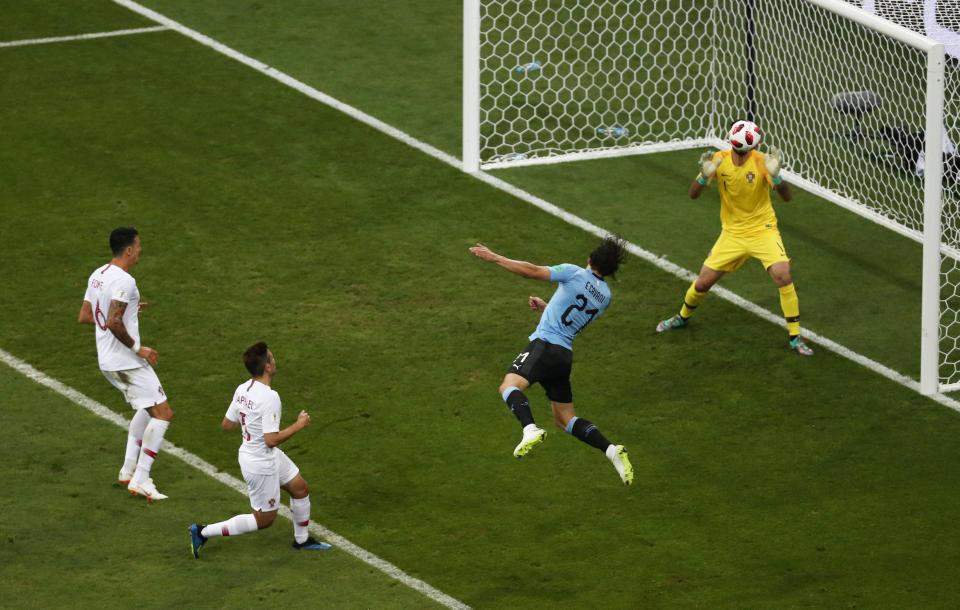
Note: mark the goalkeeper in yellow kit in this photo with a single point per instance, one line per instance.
(744, 177)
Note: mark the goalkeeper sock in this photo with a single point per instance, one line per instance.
(691, 300)
(587, 432)
(791, 308)
(519, 405)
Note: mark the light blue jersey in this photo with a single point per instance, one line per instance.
(580, 297)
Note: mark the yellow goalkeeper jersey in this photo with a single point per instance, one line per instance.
(745, 206)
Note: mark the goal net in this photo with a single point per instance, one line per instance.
(841, 87)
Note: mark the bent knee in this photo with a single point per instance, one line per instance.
(265, 520)
(504, 387)
(162, 411)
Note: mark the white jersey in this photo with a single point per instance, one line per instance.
(257, 407)
(111, 283)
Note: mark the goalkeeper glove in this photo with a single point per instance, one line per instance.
(708, 167)
(773, 159)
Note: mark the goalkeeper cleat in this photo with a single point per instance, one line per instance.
(197, 540)
(671, 323)
(532, 436)
(311, 544)
(797, 344)
(617, 454)
(146, 489)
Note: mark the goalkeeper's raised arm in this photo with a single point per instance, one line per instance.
(744, 178)
(772, 161)
(709, 162)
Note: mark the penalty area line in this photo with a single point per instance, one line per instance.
(658, 261)
(92, 36)
(230, 481)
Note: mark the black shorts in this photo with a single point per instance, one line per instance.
(546, 364)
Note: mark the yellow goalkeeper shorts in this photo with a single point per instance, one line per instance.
(731, 252)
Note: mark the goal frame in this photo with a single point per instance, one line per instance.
(929, 237)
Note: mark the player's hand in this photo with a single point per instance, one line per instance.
(537, 304)
(708, 167)
(149, 354)
(773, 159)
(303, 419)
(483, 253)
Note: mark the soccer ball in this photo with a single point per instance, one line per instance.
(744, 136)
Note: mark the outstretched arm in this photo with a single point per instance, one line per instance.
(521, 268)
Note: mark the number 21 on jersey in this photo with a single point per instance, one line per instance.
(581, 305)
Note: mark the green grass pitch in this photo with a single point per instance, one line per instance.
(762, 480)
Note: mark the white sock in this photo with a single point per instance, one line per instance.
(241, 524)
(301, 518)
(152, 439)
(134, 439)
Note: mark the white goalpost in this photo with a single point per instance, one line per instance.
(550, 81)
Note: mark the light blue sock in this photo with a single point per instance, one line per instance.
(569, 428)
(508, 392)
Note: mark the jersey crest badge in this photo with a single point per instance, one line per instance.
(750, 177)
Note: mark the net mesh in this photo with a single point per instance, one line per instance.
(845, 104)
(559, 77)
(940, 21)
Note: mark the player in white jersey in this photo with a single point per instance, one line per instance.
(266, 468)
(112, 304)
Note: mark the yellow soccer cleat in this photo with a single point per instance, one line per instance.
(618, 456)
(532, 436)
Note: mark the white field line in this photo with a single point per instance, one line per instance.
(546, 206)
(230, 481)
(111, 34)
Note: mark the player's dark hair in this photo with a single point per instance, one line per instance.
(122, 238)
(607, 257)
(256, 358)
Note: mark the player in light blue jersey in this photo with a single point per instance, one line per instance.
(581, 296)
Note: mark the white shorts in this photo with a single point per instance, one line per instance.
(264, 489)
(141, 386)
